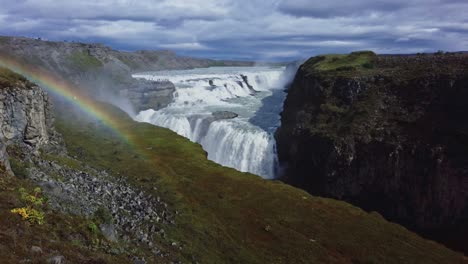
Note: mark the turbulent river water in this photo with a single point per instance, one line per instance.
(255, 94)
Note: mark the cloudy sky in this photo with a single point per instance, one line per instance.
(245, 29)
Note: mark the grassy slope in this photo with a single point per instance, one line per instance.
(232, 217)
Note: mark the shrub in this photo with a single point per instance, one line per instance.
(32, 212)
(93, 228)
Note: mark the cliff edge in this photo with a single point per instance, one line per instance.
(386, 133)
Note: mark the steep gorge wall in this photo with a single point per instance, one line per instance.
(391, 139)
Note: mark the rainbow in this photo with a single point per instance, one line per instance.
(65, 90)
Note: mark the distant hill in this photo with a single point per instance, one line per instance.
(103, 72)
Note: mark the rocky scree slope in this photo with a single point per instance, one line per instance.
(104, 72)
(386, 133)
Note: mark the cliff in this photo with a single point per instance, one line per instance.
(25, 111)
(386, 133)
(157, 199)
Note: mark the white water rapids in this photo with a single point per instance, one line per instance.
(246, 142)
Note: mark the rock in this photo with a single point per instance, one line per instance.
(218, 115)
(36, 250)
(56, 260)
(108, 231)
(32, 121)
(4, 162)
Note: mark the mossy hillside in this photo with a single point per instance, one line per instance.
(230, 217)
(341, 62)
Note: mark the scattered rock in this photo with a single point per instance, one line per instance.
(56, 260)
(124, 210)
(36, 250)
(108, 230)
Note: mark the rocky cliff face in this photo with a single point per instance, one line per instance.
(387, 133)
(25, 114)
(4, 162)
(26, 118)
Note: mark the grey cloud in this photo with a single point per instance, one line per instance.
(254, 29)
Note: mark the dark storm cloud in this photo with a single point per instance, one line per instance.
(253, 29)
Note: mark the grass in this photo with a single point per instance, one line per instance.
(341, 62)
(81, 60)
(9, 78)
(226, 216)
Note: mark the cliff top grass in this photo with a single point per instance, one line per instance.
(226, 216)
(341, 62)
(9, 78)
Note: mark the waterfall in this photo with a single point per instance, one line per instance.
(236, 142)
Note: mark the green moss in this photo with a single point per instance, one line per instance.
(339, 62)
(82, 60)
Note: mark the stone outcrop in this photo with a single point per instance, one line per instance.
(390, 138)
(25, 115)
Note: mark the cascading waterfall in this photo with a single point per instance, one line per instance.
(245, 142)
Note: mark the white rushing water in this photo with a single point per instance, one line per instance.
(254, 93)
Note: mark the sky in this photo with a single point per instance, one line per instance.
(245, 29)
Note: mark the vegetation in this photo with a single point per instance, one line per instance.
(82, 60)
(230, 217)
(340, 62)
(32, 211)
(9, 78)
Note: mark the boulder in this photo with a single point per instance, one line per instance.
(218, 115)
